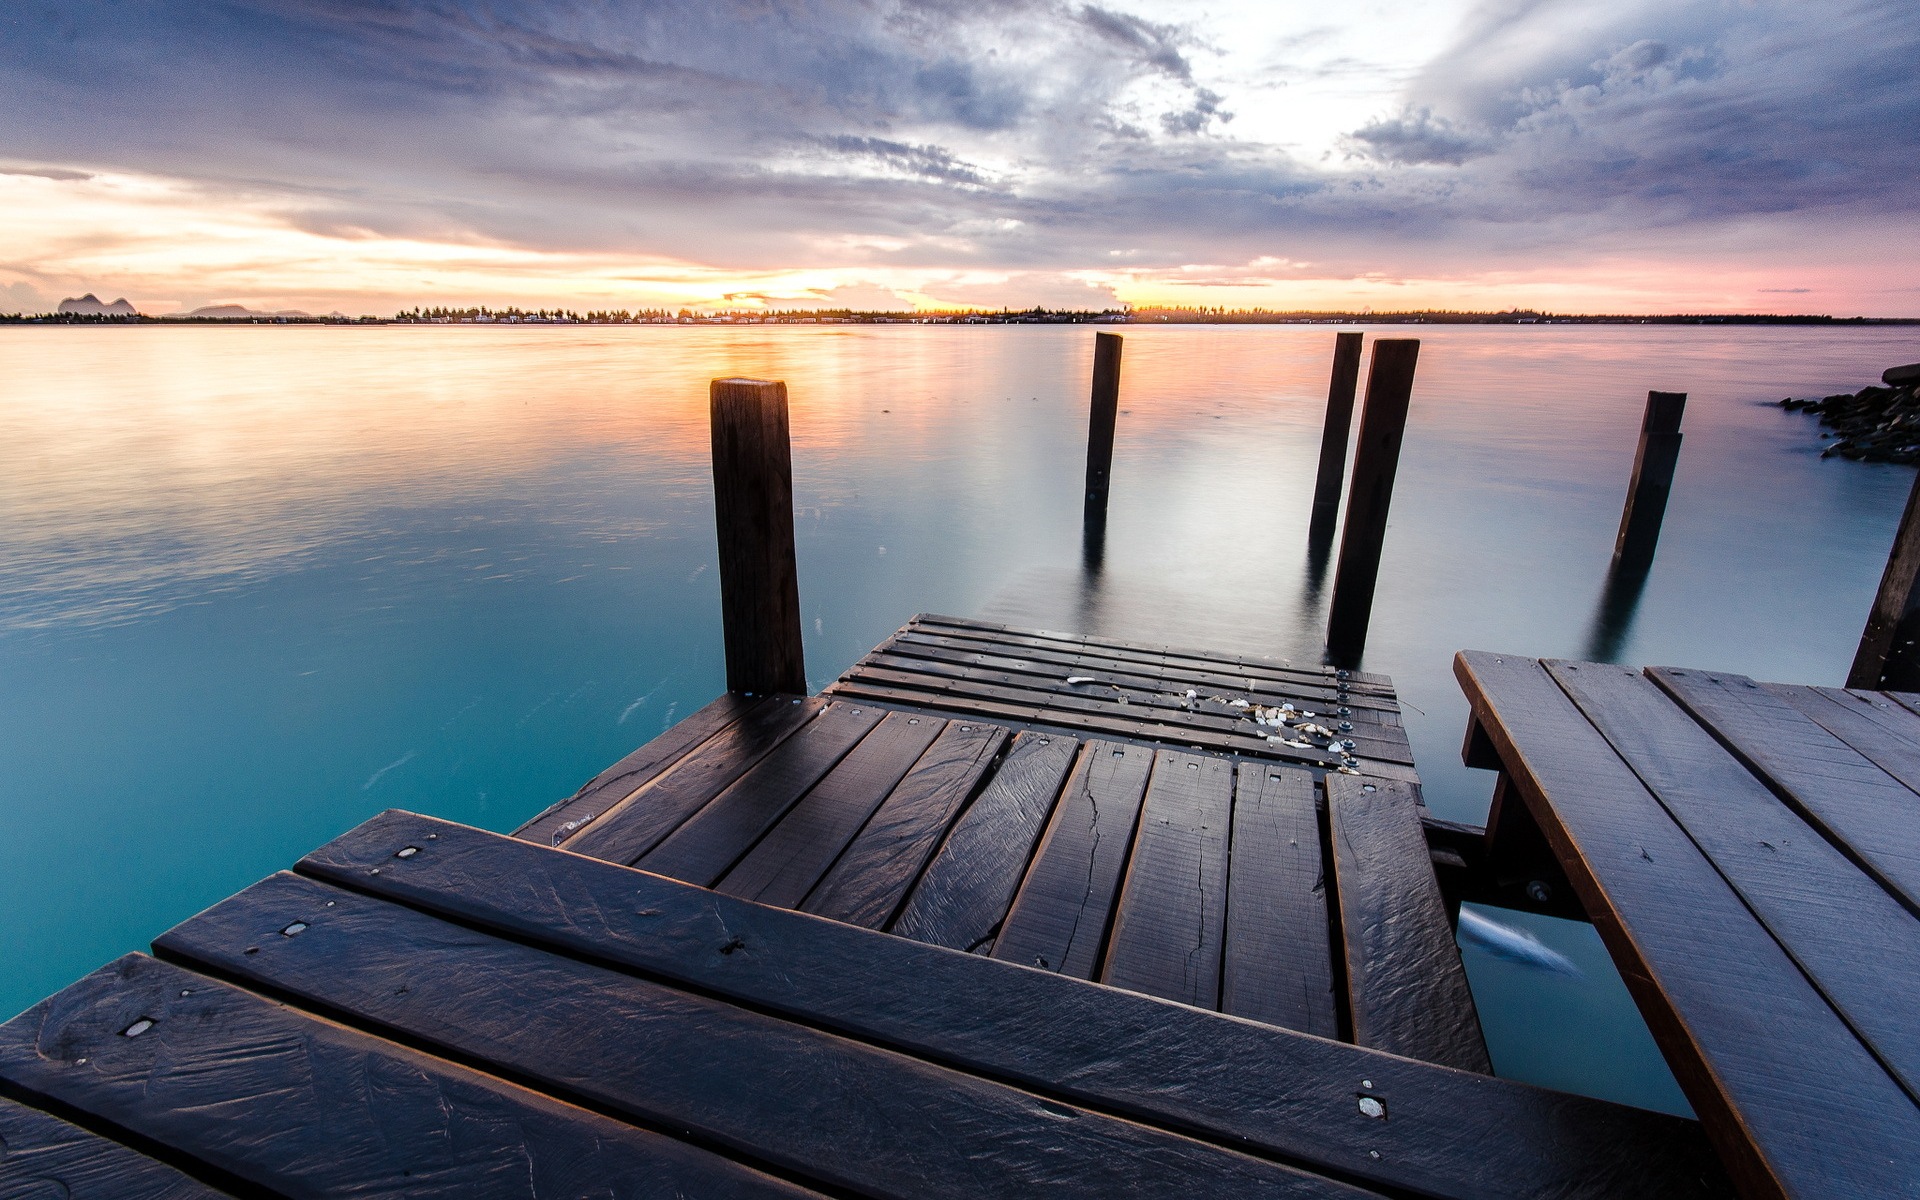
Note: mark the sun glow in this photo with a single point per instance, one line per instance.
(169, 245)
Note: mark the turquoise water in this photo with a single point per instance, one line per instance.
(261, 583)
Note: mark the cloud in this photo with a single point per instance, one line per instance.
(1418, 137)
(983, 139)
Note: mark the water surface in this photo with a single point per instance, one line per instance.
(261, 583)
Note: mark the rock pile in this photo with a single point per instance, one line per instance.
(1875, 424)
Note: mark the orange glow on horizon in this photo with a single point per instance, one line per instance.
(170, 246)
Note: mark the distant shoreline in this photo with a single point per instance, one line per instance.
(1033, 317)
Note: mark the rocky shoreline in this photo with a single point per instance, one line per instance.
(1874, 424)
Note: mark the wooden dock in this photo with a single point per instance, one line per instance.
(1001, 936)
(1007, 912)
(1750, 854)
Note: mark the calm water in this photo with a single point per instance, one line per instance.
(261, 583)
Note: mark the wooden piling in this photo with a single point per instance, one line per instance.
(1333, 439)
(1888, 657)
(1653, 465)
(753, 513)
(1383, 421)
(1101, 419)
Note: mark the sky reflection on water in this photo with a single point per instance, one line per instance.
(265, 582)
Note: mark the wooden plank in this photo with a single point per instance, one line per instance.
(561, 821)
(1798, 884)
(1888, 739)
(909, 652)
(1870, 814)
(1278, 966)
(1161, 658)
(644, 819)
(714, 838)
(814, 1104)
(1058, 921)
(1171, 918)
(1054, 693)
(1324, 690)
(1169, 657)
(867, 883)
(45, 1158)
(1793, 1101)
(966, 890)
(901, 687)
(304, 1107)
(1447, 1133)
(791, 859)
(1406, 989)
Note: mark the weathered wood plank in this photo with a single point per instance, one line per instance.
(1370, 740)
(1168, 658)
(1868, 812)
(1888, 739)
(1448, 1133)
(1279, 967)
(305, 1107)
(1058, 921)
(45, 1158)
(920, 692)
(791, 859)
(867, 883)
(816, 1104)
(714, 838)
(911, 653)
(644, 819)
(966, 890)
(1801, 887)
(1170, 921)
(1796, 1105)
(636, 770)
(1406, 989)
(956, 645)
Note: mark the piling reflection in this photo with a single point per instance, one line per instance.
(1613, 615)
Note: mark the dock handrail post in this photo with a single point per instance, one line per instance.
(753, 516)
(1653, 466)
(1103, 415)
(1383, 421)
(1333, 439)
(1887, 657)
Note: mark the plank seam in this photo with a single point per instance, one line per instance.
(1193, 1132)
(380, 1031)
(194, 1168)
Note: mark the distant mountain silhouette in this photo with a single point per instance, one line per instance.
(236, 312)
(89, 306)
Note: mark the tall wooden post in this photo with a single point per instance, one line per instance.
(1888, 656)
(1383, 421)
(753, 512)
(1653, 465)
(1100, 423)
(1333, 439)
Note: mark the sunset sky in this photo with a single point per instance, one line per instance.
(1631, 156)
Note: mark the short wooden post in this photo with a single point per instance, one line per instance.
(1383, 420)
(753, 513)
(1100, 424)
(1653, 465)
(1888, 656)
(1333, 439)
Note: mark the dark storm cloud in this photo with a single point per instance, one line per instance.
(997, 132)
